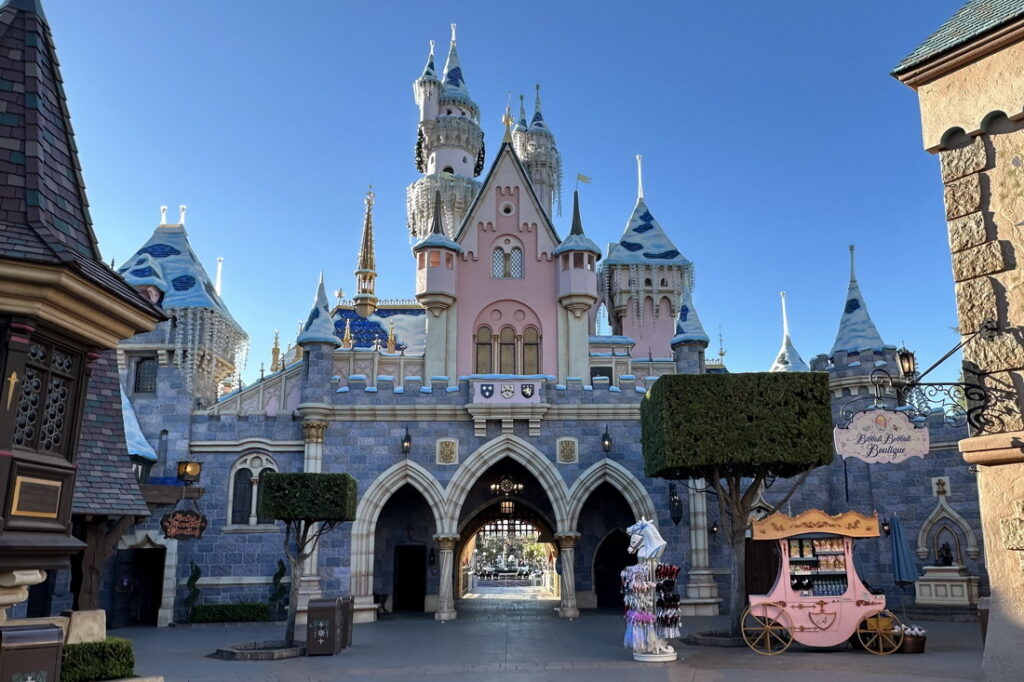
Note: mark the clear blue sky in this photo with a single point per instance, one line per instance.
(772, 135)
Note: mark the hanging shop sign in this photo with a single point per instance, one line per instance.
(183, 524)
(881, 436)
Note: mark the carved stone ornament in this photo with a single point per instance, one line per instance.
(447, 451)
(313, 432)
(567, 451)
(1011, 531)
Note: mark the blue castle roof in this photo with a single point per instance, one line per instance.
(644, 242)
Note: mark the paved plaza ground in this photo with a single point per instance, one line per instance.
(519, 641)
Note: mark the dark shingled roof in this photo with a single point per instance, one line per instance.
(44, 214)
(106, 482)
(972, 20)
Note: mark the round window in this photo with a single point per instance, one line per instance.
(507, 208)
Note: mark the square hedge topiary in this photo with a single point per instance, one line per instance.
(308, 497)
(777, 423)
(110, 659)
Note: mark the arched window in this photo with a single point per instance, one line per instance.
(483, 350)
(145, 375)
(245, 492)
(531, 351)
(516, 264)
(498, 263)
(507, 351)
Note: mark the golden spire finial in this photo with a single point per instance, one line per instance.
(346, 340)
(507, 120)
(391, 336)
(275, 352)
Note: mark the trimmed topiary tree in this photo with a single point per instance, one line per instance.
(310, 505)
(734, 431)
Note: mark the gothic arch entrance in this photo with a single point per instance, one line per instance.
(404, 578)
(506, 554)
(601, 522)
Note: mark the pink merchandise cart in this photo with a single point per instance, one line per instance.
(818, 599)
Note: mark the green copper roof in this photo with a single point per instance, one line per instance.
(974, 19)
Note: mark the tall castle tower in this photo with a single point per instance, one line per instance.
(449, 146)
(645, 277)
(535, 145)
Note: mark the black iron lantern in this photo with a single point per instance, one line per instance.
(908, 363)
(886, 527)
(606, 440)
(189, 471)
(675, 504)
(714, 528)
(406, 442)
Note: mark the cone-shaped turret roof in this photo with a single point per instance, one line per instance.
(168, 263)
(521, 126)
(788, 359)
(437, 238)
(537, 123)
(319, 327)
(576, 241)
(429, 72)
(643, 241)
(45, 214)
(454, 82)
(688, 326)
(856, 330)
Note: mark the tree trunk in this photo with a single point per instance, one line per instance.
(738, 578)
(293, 600)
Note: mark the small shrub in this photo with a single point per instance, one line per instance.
(244, 612)
(107, 660)
(193, 591)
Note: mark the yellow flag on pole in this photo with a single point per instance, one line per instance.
(580, 177)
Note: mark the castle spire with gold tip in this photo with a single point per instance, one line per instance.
(365, 299)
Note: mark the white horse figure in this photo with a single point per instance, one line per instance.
(645, 541)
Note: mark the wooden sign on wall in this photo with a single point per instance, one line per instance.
(183, 524)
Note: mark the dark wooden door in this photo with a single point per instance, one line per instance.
(609, 560)
(138, 587)
(410, 587)
(762, 559)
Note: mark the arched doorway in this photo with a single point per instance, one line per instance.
(602, 521)
(403, 545)
(507, 555)
(611, 557)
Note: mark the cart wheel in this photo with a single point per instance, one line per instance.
(765, 634)
(880, 633)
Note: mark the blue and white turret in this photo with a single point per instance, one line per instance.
(449, 145)
(788, 359)
(690, 340)
(536, 148)
(856, 330)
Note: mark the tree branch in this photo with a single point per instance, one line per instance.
(785, 499)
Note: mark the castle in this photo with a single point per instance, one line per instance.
(493, 371)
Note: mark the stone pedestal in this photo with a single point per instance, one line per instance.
(567, 547)
(946, 586)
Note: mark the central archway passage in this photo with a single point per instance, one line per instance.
(507, 554)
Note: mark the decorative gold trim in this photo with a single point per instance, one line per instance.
(851, 524)
(70, 302)
(16, 500)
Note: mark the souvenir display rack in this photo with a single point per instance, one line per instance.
(667, 603)
(651, 609)
(818, 599)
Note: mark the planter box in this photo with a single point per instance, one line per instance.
(912, 645)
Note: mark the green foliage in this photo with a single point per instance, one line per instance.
(243, 612)
(279, 590)
(193, 590)
(110, 659)
(308, 497)
(773, 423)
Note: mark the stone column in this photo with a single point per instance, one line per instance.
(567, 547)
(309, 585)
(445, 594)
(14, 588)
(700, 583)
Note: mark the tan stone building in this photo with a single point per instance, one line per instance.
(969, 77)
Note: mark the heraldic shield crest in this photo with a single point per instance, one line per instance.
(507, 391)
(526, 390)
(487, 390)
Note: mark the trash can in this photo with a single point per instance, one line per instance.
(346, 621)
(324, 627)
(984, 604)
(30, 652)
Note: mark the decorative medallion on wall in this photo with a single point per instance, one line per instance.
(447, 451)
(568, 452)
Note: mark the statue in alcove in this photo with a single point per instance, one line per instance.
(945, 555)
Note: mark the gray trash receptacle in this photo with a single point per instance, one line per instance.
(346, 621)
(30, 652)
(324, 627)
